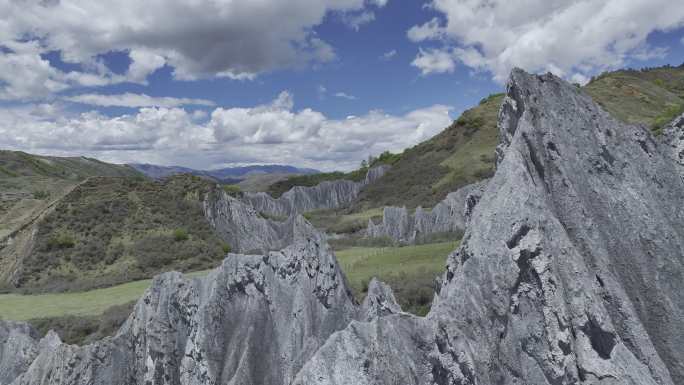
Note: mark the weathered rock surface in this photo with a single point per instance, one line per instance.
(300, 199)
(254, 320)
(243, 228)
(570, 270)
(673, 139)
(18, 348)
(446, 217)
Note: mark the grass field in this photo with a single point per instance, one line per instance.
(19, 307)
(409, 270)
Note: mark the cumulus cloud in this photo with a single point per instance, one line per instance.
(270, 133)
(135, 100)
(572, 38)
(26, 75)
(434, 61)
(226, 38)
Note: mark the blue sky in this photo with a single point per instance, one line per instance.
(315, 83)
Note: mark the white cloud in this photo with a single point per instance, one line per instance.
(563, 36)
(389, 55)
(434, 61)
(135, 100)
(345, 96)
(270, 133)
(238, 39)
(355, 21)
(143, 63)
(25, 75)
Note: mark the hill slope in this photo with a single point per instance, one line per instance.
(463, 152)
(109, 230)
(227, 175)
(652, 96)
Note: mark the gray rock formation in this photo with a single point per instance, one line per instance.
(379, 301)
(243, 228)
(673, 139)
(448, 216)
(18, 348)
(325, 195)
(570, 270)
(254, 320)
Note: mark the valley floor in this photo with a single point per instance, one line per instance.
(410, 270)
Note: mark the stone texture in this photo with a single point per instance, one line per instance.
(570, 270)
(300, 199)
(379, 301)
(18, 348)
(254, 320)
(243, 228)
(673, 140)
(448, 216)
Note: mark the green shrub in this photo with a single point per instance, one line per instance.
(180, 235)
(226, 248)
(666, 117)
(232, 189)
(41, 194)
(61, 240)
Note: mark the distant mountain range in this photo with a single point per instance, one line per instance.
(224, 175)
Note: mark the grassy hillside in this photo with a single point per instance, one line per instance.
(110, 230)
(652, 96)
(30, 183)
(18, 164)
(464, 152)
(426, 173)
(280, 187)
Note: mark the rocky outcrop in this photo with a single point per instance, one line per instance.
(570, 270)
(448, 216)
(673, 139)
(243, 228)
(325, 195)
(254, 320)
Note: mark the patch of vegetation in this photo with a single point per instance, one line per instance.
(666, 117)
(651, 96)
(18, 163)
(340, 221)
(81, 330)
(424, 174)
(41, 194)
(110, 230)
(279, 188)
(232, 189)
(92, 303)
(60, 240)
(180, 235)
(411, 271)
(8, 173)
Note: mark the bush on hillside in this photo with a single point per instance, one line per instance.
(61, 240)
(180, 235)
(41, 194)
